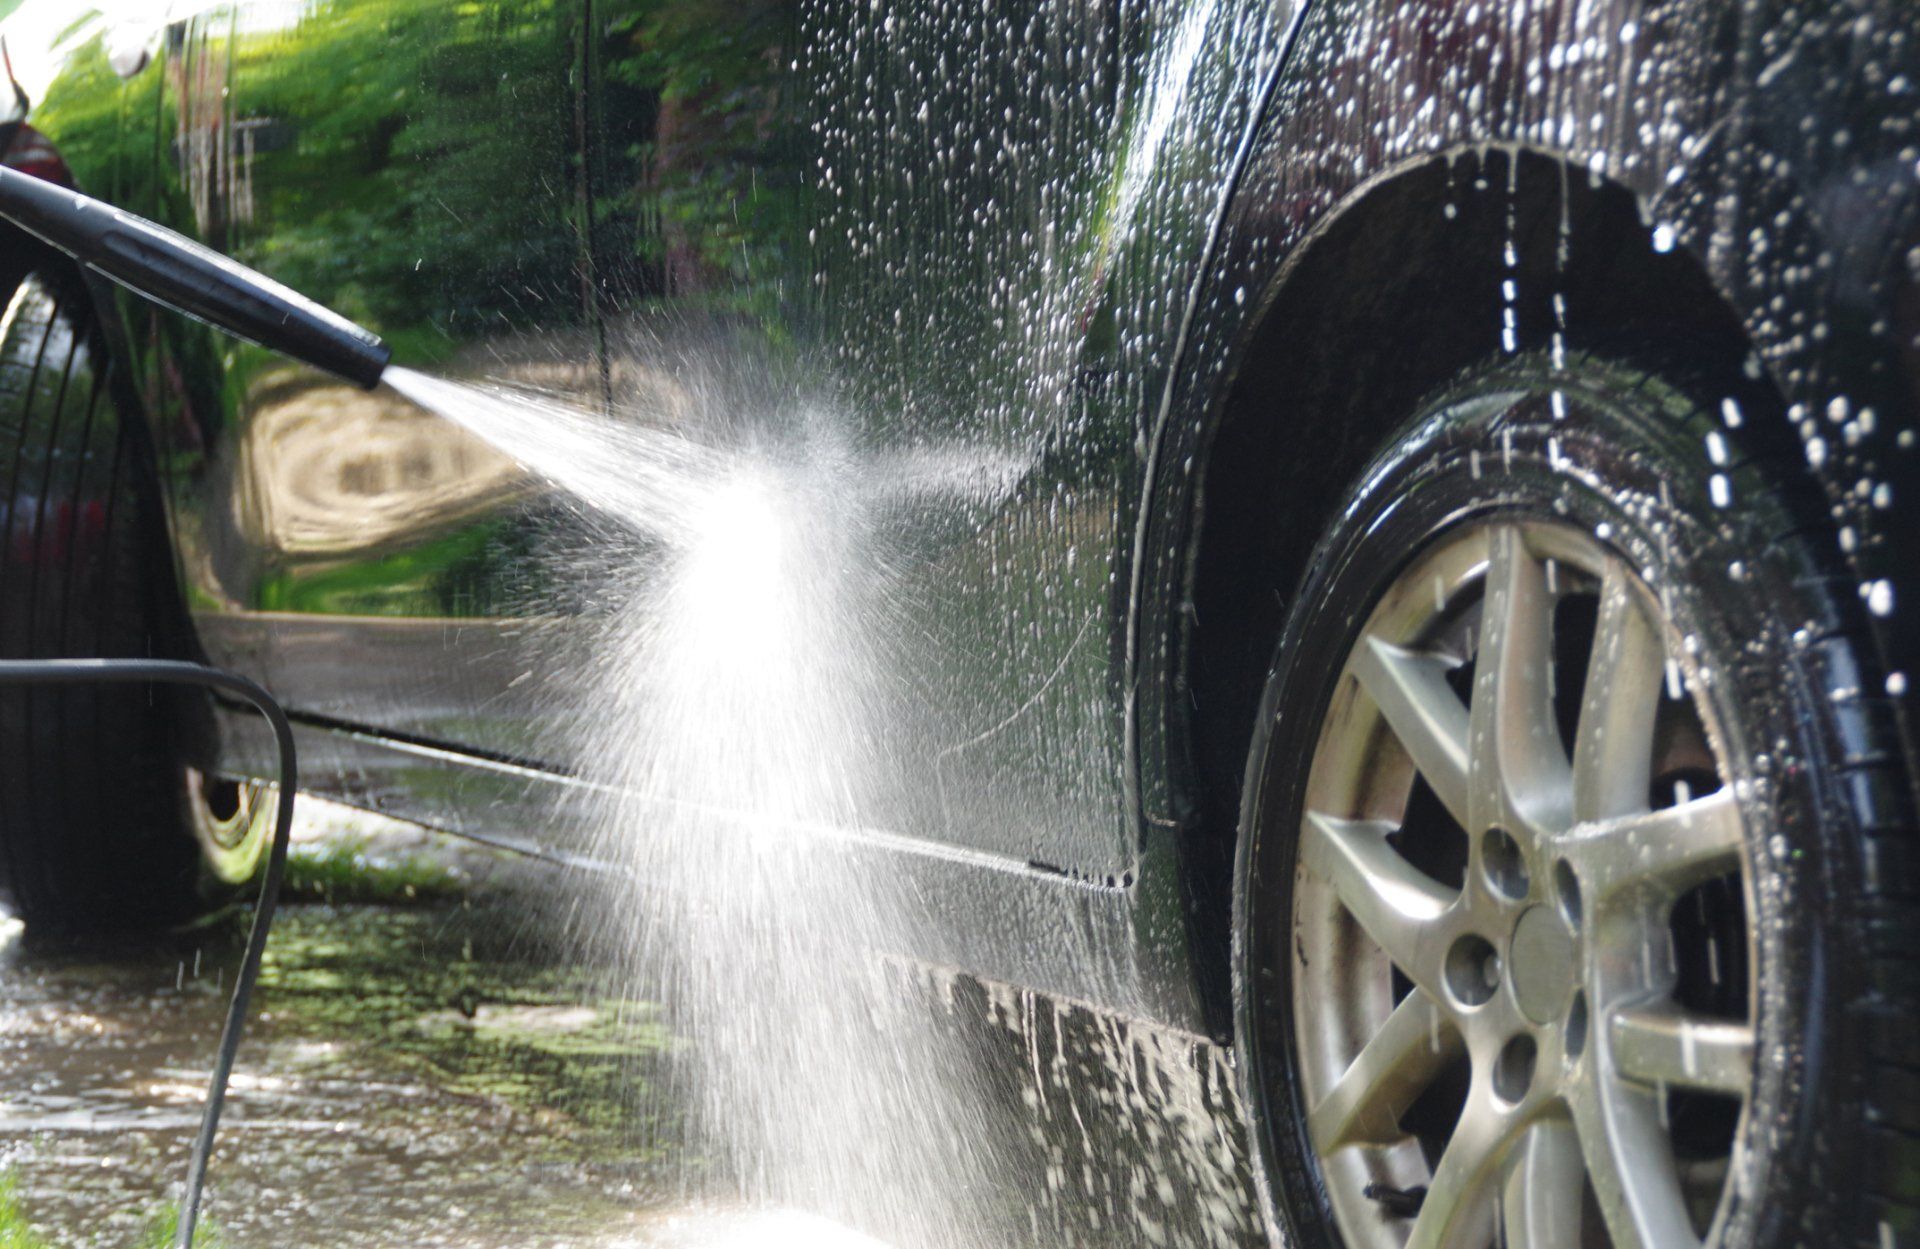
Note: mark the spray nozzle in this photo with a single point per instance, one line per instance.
(169, 269)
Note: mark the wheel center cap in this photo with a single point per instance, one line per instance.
(1540, 960)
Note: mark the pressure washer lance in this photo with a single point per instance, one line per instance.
(173, 270)
(177, 672)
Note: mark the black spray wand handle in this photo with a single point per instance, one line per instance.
(170, 269)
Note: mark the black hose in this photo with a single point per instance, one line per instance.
(171, 269)
(178, 672)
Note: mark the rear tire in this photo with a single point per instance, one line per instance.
(1765, 636)
(102, 826)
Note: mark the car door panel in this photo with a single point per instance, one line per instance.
(956, 246)
(409, 165)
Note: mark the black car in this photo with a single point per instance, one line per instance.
(1378, 533)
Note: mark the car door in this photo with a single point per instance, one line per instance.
(960, 236)
(413, 165)
(951, 243)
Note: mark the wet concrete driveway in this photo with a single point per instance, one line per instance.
(420, 1071)
(428, 1066)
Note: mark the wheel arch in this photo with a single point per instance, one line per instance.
(1395, 292)
(1778, 181)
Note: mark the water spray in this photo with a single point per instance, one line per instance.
(766, 668)
(173, 270)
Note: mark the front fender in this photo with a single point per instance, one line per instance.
(1780, 148)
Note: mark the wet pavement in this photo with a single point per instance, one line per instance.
(428, 1066)
(428, 1072)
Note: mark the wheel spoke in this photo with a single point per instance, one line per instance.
(1517, 769)
(1541, 1202)
(1396, 1066)
(1630, 1163)
(1664, 1046)
(1395, 902)
(1411, 690)
(1669, 850)
(1613, 748)
(1459, 1209)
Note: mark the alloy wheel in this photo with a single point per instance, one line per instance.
(1522, 952)
(232, 821)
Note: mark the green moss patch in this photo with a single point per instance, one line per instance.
(15, 1232)
(342, 872)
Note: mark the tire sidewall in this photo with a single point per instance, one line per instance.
(1629, 461)
(95, 831)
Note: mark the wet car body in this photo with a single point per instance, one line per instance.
(1093, 241)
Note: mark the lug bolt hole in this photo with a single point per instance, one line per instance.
(1513, 1070)
(1506, 868)
(1577, 1026)
(1473, 970)
(1567, 886)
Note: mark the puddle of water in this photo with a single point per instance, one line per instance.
(414, 1076)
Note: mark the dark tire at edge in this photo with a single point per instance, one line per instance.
(94, 829)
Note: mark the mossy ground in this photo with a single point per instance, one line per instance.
(165, 1220)
(477, 1076)
(473, 1005)
(17, 1233)
(348, 870)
